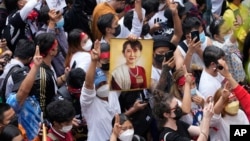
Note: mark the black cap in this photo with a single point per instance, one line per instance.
(18, 77)
(163, 41)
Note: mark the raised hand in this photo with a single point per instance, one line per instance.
(117, 127)
(188, 76)
(37, 59)
(96, 51)
(198, 100)
(173, 7)
(54, 15)
(225, 71)
(208, 110)
(138, 105)
(132, 37)
(226, 91)
(169, 63)
(194, 46)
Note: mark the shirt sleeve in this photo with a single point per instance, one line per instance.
(137, 24)
(87, 96)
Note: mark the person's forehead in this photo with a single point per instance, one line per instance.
(161, 49)
(9, 113)
(174, 102)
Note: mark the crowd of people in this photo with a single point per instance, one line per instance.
(55, 70)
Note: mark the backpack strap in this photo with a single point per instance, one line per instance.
(3, 90)
(165, 136)
(52, 136)
(183, 46)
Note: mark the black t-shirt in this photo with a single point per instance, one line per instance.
(181, 134)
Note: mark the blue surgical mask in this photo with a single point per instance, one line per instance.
(60, 23)
(193, 91)
(202, 37)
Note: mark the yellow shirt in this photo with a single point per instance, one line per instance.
(241, 15)
(100, 9)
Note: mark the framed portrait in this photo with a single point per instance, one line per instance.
(130, 64)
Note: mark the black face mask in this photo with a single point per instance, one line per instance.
(117, 30)
(14, 121)
(105, 67)
(178, 113)
(145, 29)
(159, 58)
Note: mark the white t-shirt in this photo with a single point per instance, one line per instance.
(99, 113)
(136, 26)
(155, 74)
(221, 126)
(216, 6)
(82, 59)
(209, 84)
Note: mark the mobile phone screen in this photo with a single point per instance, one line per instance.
(195, 34)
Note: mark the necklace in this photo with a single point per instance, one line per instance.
(134, 75)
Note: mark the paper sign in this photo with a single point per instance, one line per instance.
(56, 4)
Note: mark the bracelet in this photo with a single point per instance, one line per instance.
(204, 135)
(61, 77)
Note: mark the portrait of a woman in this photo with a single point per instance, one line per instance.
(129, 75)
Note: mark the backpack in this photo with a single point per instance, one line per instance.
(3, 89)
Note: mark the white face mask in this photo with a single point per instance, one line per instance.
(66, 129)
(127, 135)
(88, 45)
(103, 91)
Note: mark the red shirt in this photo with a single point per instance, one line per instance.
(244, 98)
(60, 137)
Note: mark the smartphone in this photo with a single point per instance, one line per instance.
(143, 98)
(195, 34)
(169, 55)
(219, 67)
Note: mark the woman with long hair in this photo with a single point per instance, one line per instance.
(78, 53)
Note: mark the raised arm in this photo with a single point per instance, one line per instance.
(186, 101)
(177, 24)
(242, 95)
(24, 12)
(90, 75)
(208, 112)
(193, 48)
(219, 105)
(163, 81)
(27, 84)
